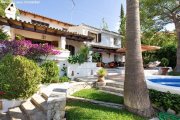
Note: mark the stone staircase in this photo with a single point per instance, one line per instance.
(113, 87)
(33, 109)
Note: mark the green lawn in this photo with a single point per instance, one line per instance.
(98, 95)
(87, 111)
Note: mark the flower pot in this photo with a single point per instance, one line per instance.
(98, 64)
(101, 78)
(164, 70)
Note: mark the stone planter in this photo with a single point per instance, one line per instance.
(100, 84)
(164, 70)
(6, 104)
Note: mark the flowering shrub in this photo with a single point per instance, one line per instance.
(27, 49)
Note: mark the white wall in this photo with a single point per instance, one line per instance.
(28, 18)
(76, 44)
(83, 70)
(106, 58)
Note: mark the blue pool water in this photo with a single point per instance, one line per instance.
(175, 82)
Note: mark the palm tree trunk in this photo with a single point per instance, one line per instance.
(177, 26)
(136, 98)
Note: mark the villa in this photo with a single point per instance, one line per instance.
(65, 36)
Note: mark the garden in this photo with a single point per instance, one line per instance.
(22, 68)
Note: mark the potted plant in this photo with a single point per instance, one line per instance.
(96, 58)
(101, 77)
(165, 63)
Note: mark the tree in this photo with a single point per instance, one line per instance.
(162, 12)
(3, 5)
(3, 36)
(104, 25)
(122, 27)
(136, 98)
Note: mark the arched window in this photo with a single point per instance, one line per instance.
(71, 49)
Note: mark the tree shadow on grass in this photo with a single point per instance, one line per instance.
(78, 110)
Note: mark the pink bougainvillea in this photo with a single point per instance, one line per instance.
(27, 49)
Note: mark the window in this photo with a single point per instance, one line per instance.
(71, 49)
(94, 35)
(116, 42)
(40, 23)
(64, 29)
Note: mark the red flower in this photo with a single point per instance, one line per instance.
(2, 93)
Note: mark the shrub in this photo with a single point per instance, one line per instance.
(164, 62)
(168, 51)
(3, 36)
(64, 79)
(174, 73)
(19, 77)
(102, 72)
(80, 57)
(165, 100)
(50, 72)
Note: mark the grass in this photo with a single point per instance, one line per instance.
(98, 95)
(87, 111)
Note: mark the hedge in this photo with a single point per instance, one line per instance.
(165, 100)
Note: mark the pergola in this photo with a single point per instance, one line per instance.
(18, 24)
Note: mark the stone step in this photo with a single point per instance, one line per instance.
(16, 114)
(45, 95)
(112, 89)
(4, 116)
(40, 102)
(33, 112)
(115, 84)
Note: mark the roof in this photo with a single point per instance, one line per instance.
(18, 24)
(143, 48)
(23, 11)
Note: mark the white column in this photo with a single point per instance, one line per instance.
(9, 31)
(90, 56)
(6, 29)
(62, 42)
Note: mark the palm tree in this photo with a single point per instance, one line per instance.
(136, 98)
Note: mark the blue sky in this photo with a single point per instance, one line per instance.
(90, 12)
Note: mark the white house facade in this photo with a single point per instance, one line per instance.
(105, 42)
(65, 36)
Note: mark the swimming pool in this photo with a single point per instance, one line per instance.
(164, 83)
(175, 82)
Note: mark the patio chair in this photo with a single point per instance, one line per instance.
(153, 64)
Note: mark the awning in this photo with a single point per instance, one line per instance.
(18, 24)
(143, 48)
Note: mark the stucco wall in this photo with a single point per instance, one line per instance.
(76, 44)
(106, 58)
(53, 24)
(35, 35)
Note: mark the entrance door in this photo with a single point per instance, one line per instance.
(71, 49)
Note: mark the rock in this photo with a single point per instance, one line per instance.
(171, 111)
(154, 119)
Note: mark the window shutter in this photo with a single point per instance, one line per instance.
(99, 37)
